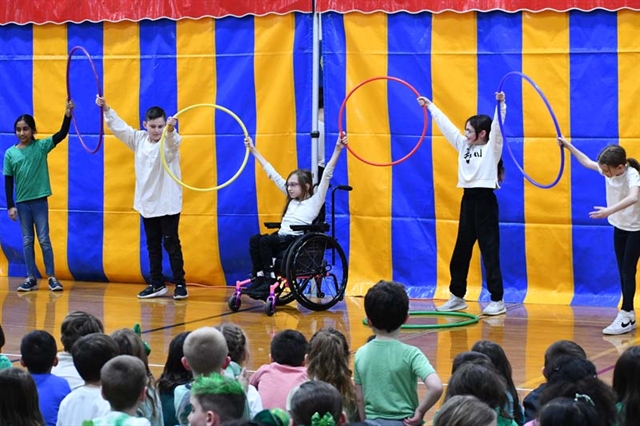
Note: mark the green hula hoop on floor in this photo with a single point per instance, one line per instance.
(213, 188)
(471, 319)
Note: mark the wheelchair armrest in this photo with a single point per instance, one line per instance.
(318, 227)
(272, 225)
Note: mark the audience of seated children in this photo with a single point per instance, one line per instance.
(18, 399)
(216, 399)
(205, 353)
(387, 370)
(287, 369)
(124, 379)
(74, 326)
(90, 353)
(316, 403)
(131, 344)
(557, 349)
(38, 355)
(238, 346)
(173, 375)
(465, 410)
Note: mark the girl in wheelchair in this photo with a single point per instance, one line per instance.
(302, 207)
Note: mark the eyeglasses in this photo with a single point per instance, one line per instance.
(292, 184)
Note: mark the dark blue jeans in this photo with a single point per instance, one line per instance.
(35, 214)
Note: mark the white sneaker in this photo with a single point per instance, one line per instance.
(625, 322)
(454, 303)
(495, 308)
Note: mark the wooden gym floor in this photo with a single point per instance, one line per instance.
(524, 332)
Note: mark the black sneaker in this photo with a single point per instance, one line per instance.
(259, 290)
(153, 291)
(180, 292)
(54, 284)
(30, 284)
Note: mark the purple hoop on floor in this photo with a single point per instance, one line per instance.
(555, 122)
(99, 86)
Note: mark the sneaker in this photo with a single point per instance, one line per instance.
(495, 308)
(454, 303)
(54, 284)
(180, 292)
(259, 290)
(625, 322)
(30, 284)
(152, 290)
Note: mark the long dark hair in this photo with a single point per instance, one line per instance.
(626, 377)
(615, 155)
(174, 373)
(482, 122)
(31, 122)
(500, 361)
(19, 399)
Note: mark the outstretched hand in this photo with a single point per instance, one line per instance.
(500, 96)
(248, 142)
(171, 124)
(600, 213)
(563, 142)
(424, 101)
(102, 103)
(342, 140)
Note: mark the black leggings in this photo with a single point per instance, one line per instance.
(264, 247)
(627, 247)
(478, 221)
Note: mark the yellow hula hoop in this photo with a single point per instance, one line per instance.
(213, 188)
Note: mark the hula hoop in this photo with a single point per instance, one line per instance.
(424, 128)
(99, 86)
(555, 122)
(213, 188)
(471, 319)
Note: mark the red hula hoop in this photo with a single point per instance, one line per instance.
(99, 87)
(415, 148)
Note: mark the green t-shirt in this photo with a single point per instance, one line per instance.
(29, 169)
(388, 371)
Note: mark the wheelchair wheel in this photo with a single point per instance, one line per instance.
(317, 271)
(234, 302)
(270, 307)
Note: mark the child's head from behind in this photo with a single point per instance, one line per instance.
(130, 344)
(78, 324)
(91, 352)
(205, 351)
(124, 382)
(25, 127)
(386, 305)
(299, 184)
(18, 398)
(575, 411)
(174, 372)
(470, 356)
(236, 342)
(612, 160)
(316, 402)
(38, 351)
(328, 361)
(481, 381)
(465, 410)
(155, 120)
(496, 354)
(289, 347)
(216, 399)
(561, 348)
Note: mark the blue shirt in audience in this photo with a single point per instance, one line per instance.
(51, 391)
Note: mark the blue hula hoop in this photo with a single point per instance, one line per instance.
(555, 122)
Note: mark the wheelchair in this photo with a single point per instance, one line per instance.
(313, 269)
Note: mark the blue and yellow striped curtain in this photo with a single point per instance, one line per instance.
(401, 222)
(260, 68)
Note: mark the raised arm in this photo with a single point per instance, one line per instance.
(266, 166)
(66, 123)
(118, 127)
(172, 139)
(448, 129)
(495, 138)
(580, 156)
(323, 186)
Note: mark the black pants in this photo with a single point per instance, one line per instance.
(478, 221)
(264, 247)
(164, 230)
(627, 247)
